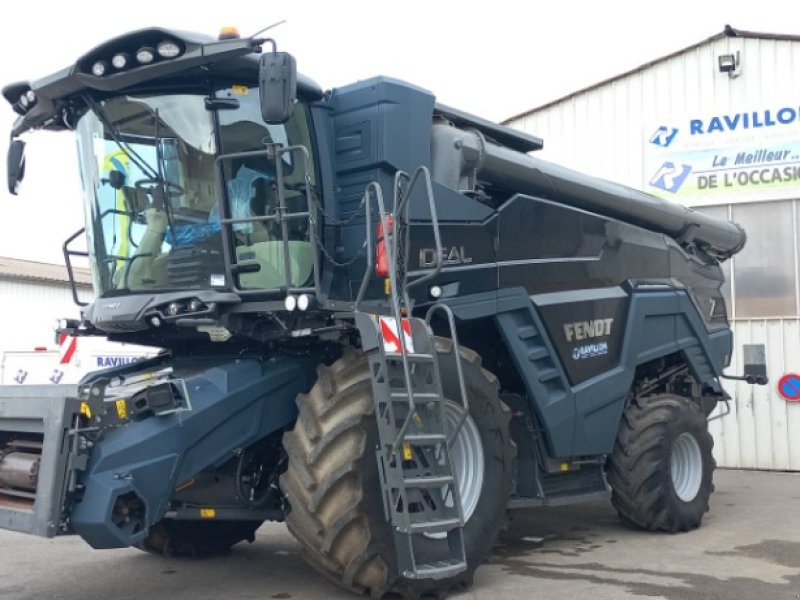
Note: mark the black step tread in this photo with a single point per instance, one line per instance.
(537, 353)
(528, 332)
(548, 375)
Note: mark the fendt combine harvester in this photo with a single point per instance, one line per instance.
(383, 322)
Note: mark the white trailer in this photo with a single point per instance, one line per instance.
(67, 362)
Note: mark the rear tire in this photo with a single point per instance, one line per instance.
(197, 538)
(662, 466)
(334, 490)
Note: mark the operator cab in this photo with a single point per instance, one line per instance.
(149, 164)
(198, 171)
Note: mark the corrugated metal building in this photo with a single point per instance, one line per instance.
(33, 296)
(715, 126)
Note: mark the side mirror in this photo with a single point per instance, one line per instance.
(755, 363)
(277, 83)
(16, 165)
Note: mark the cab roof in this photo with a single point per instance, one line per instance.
(40, 102)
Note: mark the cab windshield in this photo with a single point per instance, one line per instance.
(152, 205)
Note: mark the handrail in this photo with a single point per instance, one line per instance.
(451, 321)
(280, 215)
(372, 186)
(423, 173)
(68, 254)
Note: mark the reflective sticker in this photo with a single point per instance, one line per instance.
(391, 337)
(208, 513)
(408, 453)
(217, 280)
(240, 90)
(85, 410)
(122, 409)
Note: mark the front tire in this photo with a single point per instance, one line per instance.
(662, 466)
(334, 490)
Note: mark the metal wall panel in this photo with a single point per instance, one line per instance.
(601, 131)
(763, 430)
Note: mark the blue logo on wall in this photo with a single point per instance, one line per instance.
(670, 177)
(663, 136)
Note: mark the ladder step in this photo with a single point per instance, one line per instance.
(435, 526)
(434, 481)
(398, 357)
(420, 439)
(417, 395)
(440, 569)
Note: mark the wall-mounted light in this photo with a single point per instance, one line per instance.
(729, 63)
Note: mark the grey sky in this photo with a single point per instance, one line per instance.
(493, 58)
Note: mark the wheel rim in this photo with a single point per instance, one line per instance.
(466, 458)
(686, 467)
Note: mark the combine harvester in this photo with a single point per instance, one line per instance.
(385, 323)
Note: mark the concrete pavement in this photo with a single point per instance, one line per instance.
(748, 549)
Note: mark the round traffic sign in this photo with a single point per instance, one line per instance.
(789, 387)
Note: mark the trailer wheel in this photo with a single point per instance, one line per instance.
(197, 538)
(661, 469)
(333, 487)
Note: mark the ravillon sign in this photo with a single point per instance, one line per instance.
(746, 154)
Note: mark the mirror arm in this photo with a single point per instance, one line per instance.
(750, 379)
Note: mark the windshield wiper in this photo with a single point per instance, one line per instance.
(166, 199)
(154, 174)
(140, 162)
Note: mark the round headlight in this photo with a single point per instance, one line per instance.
(31, 96)
(168, 49)
(303, 302)
(196, 305)
(173, 309)
(99, 68)
(119, 61)
(290, 303)
(23, 101)
(145, 55)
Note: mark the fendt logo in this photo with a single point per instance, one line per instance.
(670, 177)
(663, 136)
(582, 330)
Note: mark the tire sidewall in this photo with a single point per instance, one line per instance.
(693, 422)
(486, 411)
(480, 531)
